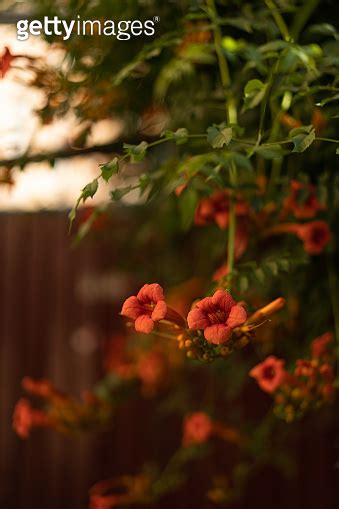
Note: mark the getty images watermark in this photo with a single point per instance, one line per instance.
(121, 30)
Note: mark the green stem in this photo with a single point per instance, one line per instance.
(231, 115)
(232, 222)
(278, 19)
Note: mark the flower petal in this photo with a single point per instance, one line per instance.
(206, 305)
(131, 308)
(221, 218)
(217, 334)
(151, 293)
(237, 316)
(144, 324)
(197, 319)
(223, 300)
(160, 310)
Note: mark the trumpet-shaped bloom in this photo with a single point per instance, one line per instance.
(315, 236)
(146, 308)
(303, 209)
(269, 374)
(217, 316)
(215, 209)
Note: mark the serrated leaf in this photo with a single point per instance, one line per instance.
(218, 137)
(110, 169)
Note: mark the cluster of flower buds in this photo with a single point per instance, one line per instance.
(215, 326)
(308, 387)
(60, 412)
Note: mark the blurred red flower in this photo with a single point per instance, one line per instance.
(319, 345)
(315, 236)
(198, 427)
(303, 209)
(269, 374)
(25, 418)
(215, 209)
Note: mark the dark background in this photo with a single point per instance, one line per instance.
(42, 304)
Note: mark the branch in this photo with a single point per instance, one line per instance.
(109, 148)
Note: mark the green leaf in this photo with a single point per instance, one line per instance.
(144, 182)
(110, 169)
(304, 129)
(254, 93)
(137, 153)
(273, 46)
(218, 137)
(72, 215)
(253, 86)
(187, 205)
(324, 29)
(117, 194)
(89, 190)
(303, 141)
(180, 136)
(243, 284)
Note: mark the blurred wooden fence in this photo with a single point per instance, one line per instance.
(42, 316)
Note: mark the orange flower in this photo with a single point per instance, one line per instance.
(146, 308)
(25, 418)
(104, 502)
(319, 345)
(152, 371)
(217, 316)
(215, 209)
(319, 120)
(198, 427)
(269, 374)
(306, 209)
(290, 122)
(41, 388)
(315, 236)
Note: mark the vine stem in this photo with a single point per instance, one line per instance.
(231, 116)
(278, 19)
